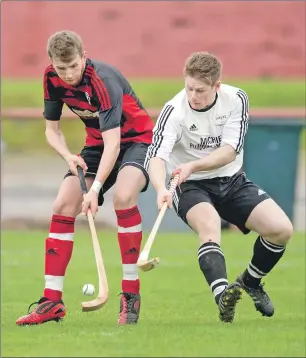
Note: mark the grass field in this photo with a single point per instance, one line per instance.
(178, 317)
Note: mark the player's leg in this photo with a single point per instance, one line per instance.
(58, 251)
(195, 207)
(250, 208)
(132, 179)
(59, 244)
(58, 248)
(275, 230)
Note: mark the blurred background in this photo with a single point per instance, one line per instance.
(261, 45)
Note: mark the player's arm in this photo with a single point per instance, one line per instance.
(233, 136)
(217, 159)
(165, 134)
(56, 139)
(110, 96)
(53, 107)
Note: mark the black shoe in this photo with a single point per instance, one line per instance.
(261, 300)
(227, 302)
(129, 308)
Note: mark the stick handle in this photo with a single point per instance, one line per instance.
(103, 289)
(82, 180)
(103, 286)
(154, 230)
(173, 183)
(146, 250)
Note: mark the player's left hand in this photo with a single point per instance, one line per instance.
(184, 170)
(90, 201)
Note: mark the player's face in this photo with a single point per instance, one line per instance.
(70, 72)
(199, 93)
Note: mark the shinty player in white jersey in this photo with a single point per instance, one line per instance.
(200, 134)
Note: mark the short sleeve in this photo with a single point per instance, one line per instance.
(109, 95)
(165, 134)
(236, 126)
(53, 105)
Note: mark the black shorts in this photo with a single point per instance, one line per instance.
(234, 197)
(133, 154)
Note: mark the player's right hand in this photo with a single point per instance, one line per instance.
(73, 161)
(164, 195)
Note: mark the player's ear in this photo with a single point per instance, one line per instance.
(218, 84)
(84, 54)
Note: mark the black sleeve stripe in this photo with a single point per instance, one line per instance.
(104, 91)
(158, 135)
(99, 87)
(244, 122)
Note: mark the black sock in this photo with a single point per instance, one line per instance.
(212, 264)
(265, 257)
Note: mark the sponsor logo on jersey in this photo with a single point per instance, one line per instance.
(209, 142)
(221, 120)
(85, 113)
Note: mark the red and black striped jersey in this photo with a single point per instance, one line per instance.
(103, 100)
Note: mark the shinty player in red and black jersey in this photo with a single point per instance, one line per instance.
(118, 133)
(103, 100)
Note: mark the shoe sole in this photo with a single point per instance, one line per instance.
(133, 320)
(127, 322)
(232, 297)
(130, 319)
(58, 319)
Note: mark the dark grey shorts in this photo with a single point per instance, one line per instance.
(234, 197)
(133, 154)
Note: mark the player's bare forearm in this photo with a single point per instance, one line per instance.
(107, 162)
(157, 173)
(217, 159)
(110, 154)
(56, 139)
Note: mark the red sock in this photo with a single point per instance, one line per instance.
(59, 245)
(129, 237)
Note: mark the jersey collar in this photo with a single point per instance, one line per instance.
(206, 108)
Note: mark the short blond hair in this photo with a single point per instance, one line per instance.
(203, 66)
(65, 45)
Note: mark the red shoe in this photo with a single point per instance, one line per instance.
(129, 308)
(46, 310)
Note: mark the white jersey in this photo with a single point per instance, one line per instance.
(182, 135)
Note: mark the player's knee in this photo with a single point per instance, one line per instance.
(208, 231)
(282, 232)
(286, 232)
(206, 222)
(209, 237)
(62, 206)
(124, 199)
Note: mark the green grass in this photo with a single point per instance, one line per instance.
(178, 315)
(155, 92)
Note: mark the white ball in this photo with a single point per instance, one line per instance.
(88, 289)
